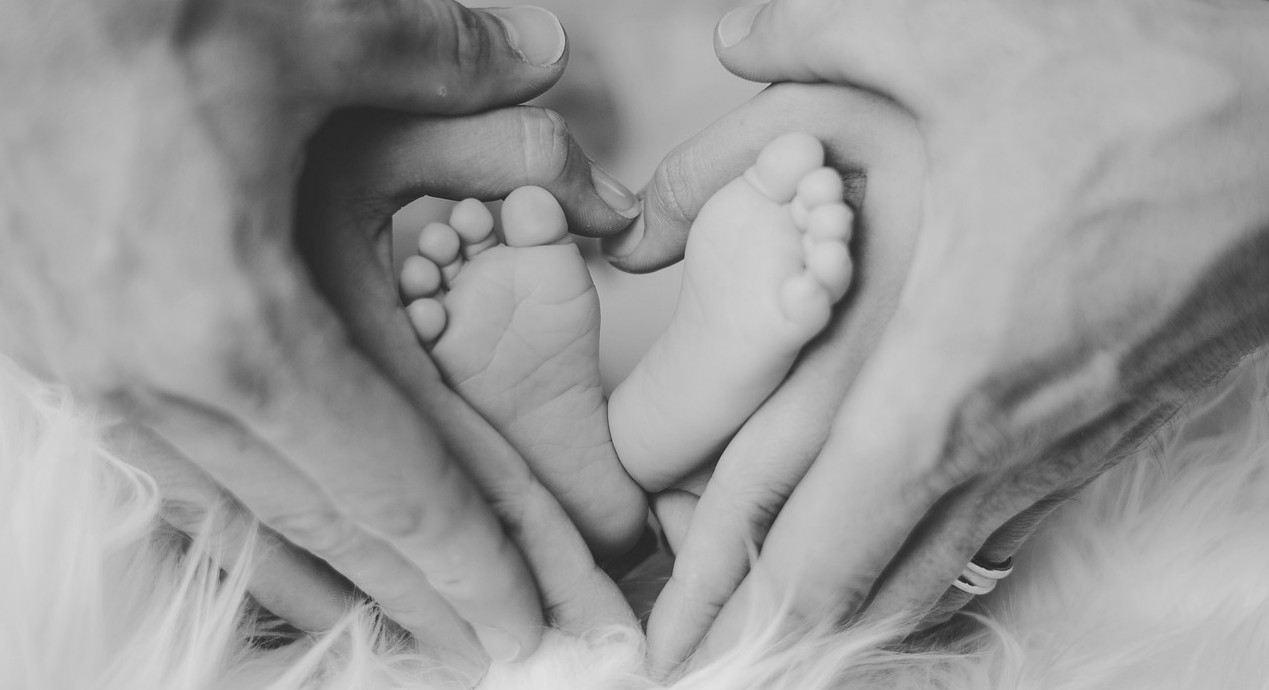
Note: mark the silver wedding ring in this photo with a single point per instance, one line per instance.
(980, 575)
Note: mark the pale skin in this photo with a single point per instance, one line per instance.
(766, 260)
(512, 320)
(1082, 246)
(151, 169)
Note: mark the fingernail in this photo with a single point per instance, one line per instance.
(499, 644)
(737, 24)
(615, 194)
(466, 671)
(534, 33)
(620, 246)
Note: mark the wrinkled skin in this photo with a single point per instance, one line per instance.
(152, 153)
(1081, 248)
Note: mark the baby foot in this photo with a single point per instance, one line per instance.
(514, 328)
(766, 259)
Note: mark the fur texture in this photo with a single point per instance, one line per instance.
(1156, 577)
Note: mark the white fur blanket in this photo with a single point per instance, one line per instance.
(1156, 577)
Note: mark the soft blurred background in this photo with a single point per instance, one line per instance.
(642, 78)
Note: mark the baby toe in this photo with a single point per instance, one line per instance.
(820, 186)
(817, 188)
(829, 222)
(805, 302)
(531, 217)
(829, 264)
(428, 317)
(474, 224)
(420, 277)
(783, 164)
(440, 243)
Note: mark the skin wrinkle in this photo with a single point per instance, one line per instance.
(1088, 453)
(1183, 378)
(471, 52)
(545, 125)
(1224, 326)
(939, 514)
(319, 509)
(1076, 409)
(512, 493)
(598, 407)
(198, 189)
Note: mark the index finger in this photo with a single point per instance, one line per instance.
(871, 484)
(576, 594)
(776, 446)
(290, 376)
(862, 135)
(882, 45)
(425, 56)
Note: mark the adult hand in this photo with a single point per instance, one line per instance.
(153, 152)
(1092, 240)
(876, 146)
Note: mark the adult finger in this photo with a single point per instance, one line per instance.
(287, 581)
(859, 132)
(879, 495)
(280, 495)
(289, 376)
(384, 160)
(756, 473)
(877, 479)
(338, 241)
(993, 515)
(674, 509)
(880, 45)
(427, 56)
(925, 559)
(771, 453)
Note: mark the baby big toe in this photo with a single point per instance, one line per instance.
(531, 217)
(783, 164)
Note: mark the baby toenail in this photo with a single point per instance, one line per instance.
(499, 644)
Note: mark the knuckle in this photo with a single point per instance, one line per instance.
(472, 43)
(827, 591)
(671, 184)
(320, 530)
(547, 144)
(356, 34)
(219, 522)
(190, 518)
(706, 584)
(227, 349)
(393, 517)
(978, 439)
(810, 18)
(802, 12)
